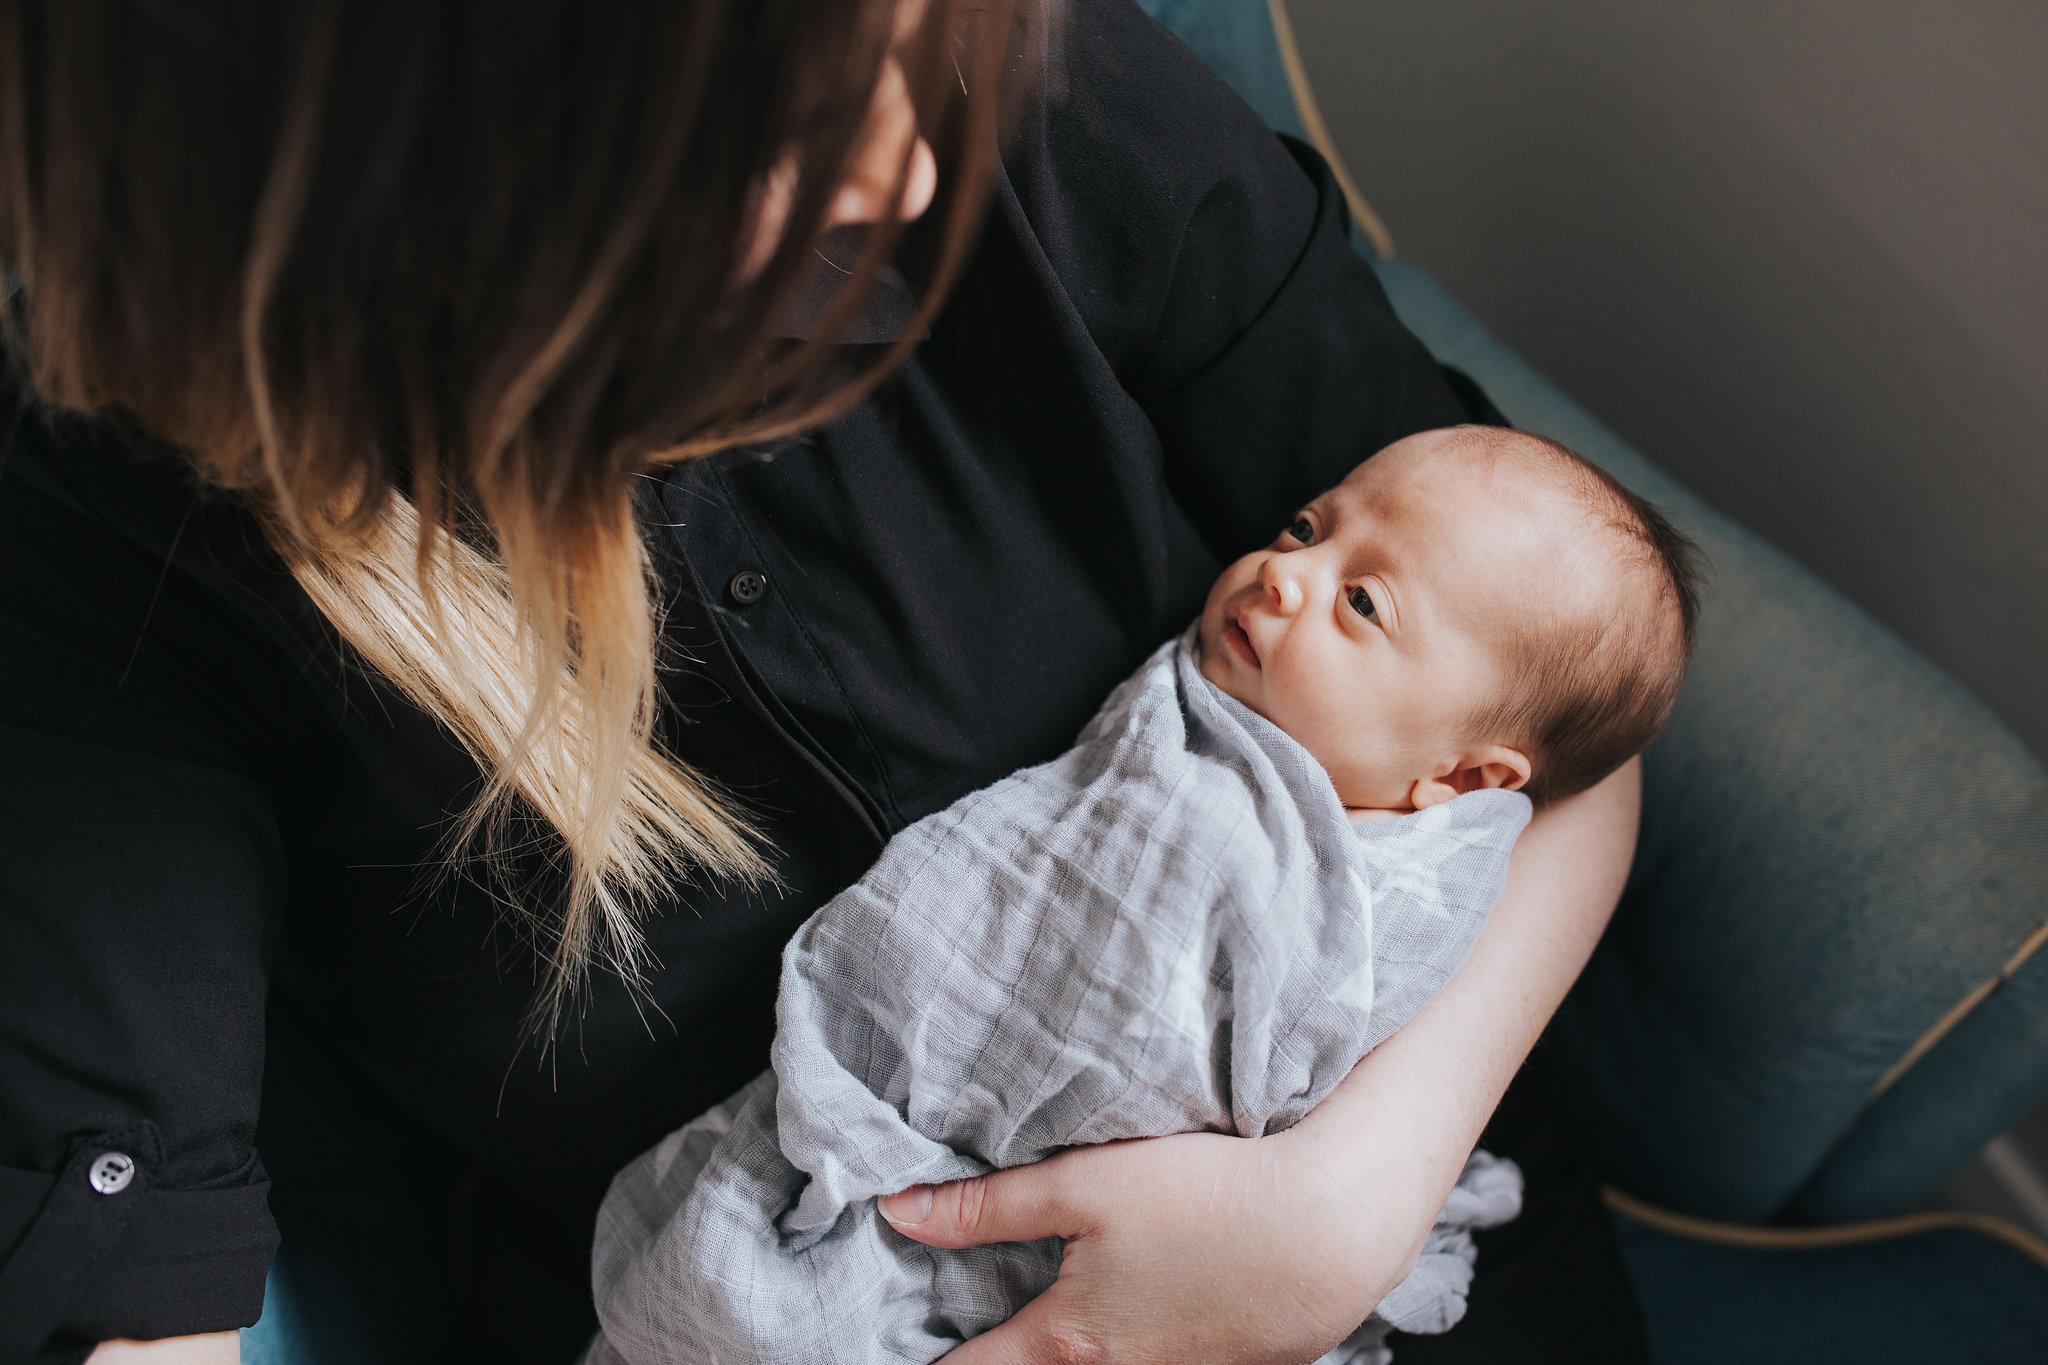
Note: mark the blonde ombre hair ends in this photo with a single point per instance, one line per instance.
(570, 740)
(429, 286)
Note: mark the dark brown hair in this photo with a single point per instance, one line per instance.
(1593, 686)
(387, 268)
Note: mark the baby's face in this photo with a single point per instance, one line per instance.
(1375, 626)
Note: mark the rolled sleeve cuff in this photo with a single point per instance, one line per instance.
(100, 1250)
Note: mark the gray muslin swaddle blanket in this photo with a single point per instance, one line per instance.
(1171, 927)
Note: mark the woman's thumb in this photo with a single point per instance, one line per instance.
(1017, 1205)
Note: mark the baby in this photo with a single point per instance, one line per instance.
(1471, 608)
(1200, 917)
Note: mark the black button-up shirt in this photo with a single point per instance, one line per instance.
(1163, 346)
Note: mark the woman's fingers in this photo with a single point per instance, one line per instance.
(1036, 1336)
(1200, 1247)
(1018, 1205)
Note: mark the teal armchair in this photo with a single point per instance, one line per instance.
(1823, 992)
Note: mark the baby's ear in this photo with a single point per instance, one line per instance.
(1486, 765)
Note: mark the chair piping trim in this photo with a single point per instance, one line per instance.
(1956, 1014)
(1833, 1235)
(1318, 134)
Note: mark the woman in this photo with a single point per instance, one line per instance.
(468, 582)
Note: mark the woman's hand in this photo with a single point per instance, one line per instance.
(1199, 1247)
(1212, 1248)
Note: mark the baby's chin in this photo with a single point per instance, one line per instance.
(1212, 664)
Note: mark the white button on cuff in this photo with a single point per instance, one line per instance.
(112, 1172)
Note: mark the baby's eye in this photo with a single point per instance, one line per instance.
(1361, 602)
(1303, 531)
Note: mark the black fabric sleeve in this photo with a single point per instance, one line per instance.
(1211, 260)
(141, 882)
(1324, 376)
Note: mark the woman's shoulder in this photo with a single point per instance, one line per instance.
(1140, 172)
(137, 608)
(1121, 96)
(106, 472)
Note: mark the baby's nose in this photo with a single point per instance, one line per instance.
(1283, 584)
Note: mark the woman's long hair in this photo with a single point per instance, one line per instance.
(429, 283)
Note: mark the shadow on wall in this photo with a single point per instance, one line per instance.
(1796, 253)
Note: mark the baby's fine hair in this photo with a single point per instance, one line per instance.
(1590, 689)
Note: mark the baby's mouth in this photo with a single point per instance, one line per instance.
(1237, 641)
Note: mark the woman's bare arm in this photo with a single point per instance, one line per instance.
(1466, 1045)
(1221, 1249)
(215, 1348)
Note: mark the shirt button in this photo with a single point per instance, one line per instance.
(748, 586)
(111, 1173)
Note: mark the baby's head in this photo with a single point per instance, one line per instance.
(1471, 608)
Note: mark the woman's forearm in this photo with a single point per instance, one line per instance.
(1402, 1123)
(216, 1348)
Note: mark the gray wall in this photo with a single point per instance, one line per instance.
(1798, 252)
